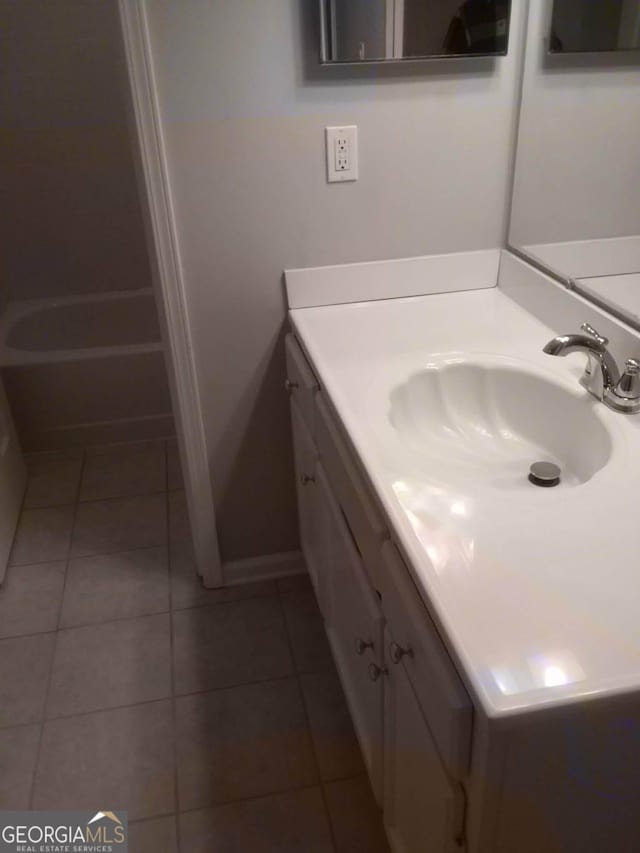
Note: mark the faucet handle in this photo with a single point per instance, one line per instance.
(626, 394)
(594, 334)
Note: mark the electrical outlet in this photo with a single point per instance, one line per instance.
(342, 153)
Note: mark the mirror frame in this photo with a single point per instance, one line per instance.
(327, 62)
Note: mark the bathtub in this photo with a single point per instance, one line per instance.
(86, 369)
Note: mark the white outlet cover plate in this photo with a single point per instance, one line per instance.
(332, 134)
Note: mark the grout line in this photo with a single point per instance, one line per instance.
(108, 709)
(55, 641)
(73, 557)
(314, 750)
(203, 604)
(84, 625)
(124, 497)
(188, 607)
(149, 818)
(177, 697)
(118, 551)
(204, 690)
(251, 798)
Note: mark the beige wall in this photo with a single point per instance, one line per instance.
(70, 215)
(243, 107)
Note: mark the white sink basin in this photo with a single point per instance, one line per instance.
(482, 420)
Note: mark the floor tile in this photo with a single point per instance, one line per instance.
(110, 664)
(174, 467)
(24, 674)
(52, 483)
(187, 589)
(115, 586)
(232, 643)
(179, 526)
(294, 822)
(42, 536)
(123, 757)
(30, 599)
(157, 835)
(122, 470)
(306, 631)
(336, 745)
(18, 753)
(119, 525)
(355, 817)
(242, 742)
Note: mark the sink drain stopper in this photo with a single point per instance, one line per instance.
(544, 474)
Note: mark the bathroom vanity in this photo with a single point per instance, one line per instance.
(485, 630)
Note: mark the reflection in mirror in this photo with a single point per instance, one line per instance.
(594, 25)
(576, 196)
(391, 30)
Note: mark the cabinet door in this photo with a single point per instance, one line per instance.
(354, 628)
(423, 809)
(310, 515)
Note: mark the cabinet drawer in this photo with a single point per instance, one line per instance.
(443, 698)
(365, 522)
(300, 382)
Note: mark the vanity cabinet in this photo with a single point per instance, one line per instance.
(509, 670)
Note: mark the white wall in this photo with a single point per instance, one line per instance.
(243, 107)
(578, 169)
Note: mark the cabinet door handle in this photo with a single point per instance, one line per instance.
(307, 478)
(361, 646)
(396, 652)
(290, 385)
(376, 671)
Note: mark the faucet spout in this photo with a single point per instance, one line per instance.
(601, 374)
(564, 345)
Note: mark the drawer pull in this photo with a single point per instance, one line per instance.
(376, 671)
(396, 652)
(307, 478)
(361, 646)
(290, 385)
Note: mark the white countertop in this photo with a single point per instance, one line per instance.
(536, 592)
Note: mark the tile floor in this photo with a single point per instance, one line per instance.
(215, 717)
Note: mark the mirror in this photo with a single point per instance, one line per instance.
(586, 25)
(395, 30)
(576, 194)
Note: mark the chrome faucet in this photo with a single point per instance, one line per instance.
(601, 377)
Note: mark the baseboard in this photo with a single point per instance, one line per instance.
(267, 567)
